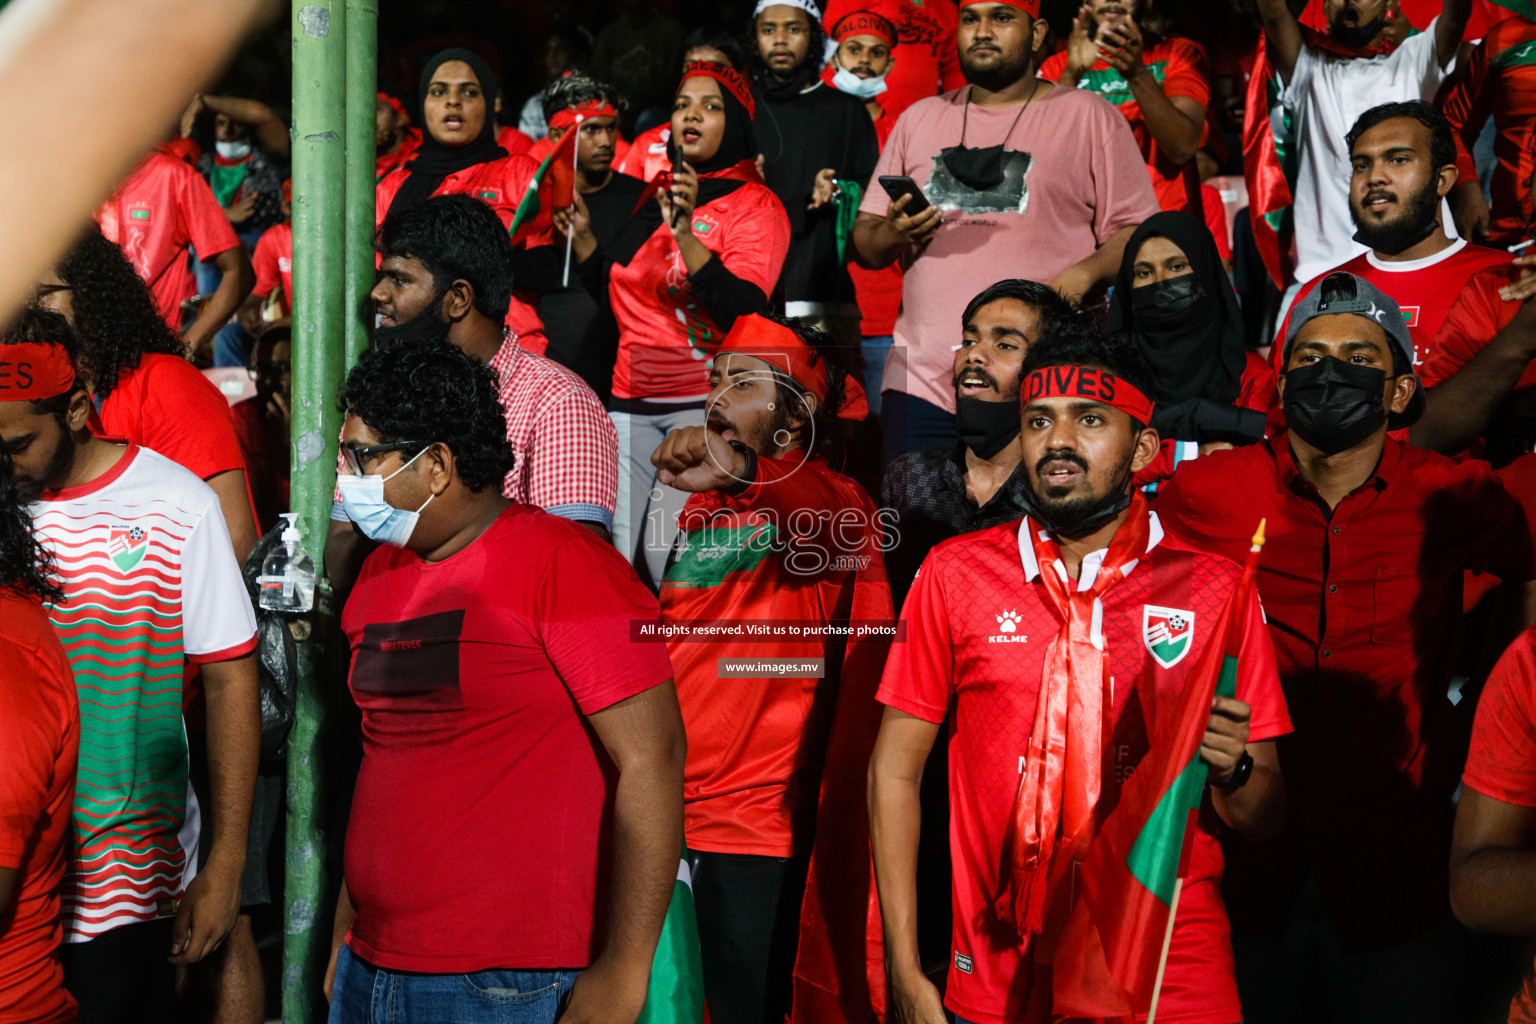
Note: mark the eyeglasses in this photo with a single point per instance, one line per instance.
(353, 457)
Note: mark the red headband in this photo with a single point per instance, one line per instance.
(726, 76)
(1090, 383)
(582, 112)
(398, 107)
(763, 339)
(1029, 7)
(33, 370)
(865, 23)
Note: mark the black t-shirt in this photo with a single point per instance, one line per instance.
(798, 137)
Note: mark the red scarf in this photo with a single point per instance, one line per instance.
(1059, 790)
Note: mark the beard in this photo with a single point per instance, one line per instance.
(1075, 515)
(1415, 223)
(999, 75)
(56, 470)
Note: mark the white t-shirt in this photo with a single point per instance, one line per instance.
(1324, 98)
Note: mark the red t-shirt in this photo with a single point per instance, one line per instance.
(273, 263)
(665, 334)
(1425, 289)
(159, 211)
(927, 61)
(1216, 219)
(647, 156)
(478, 822)
(513, 141)
(499, 184)
(1256, 391)
(39, 742)
(169, 407)
(978, 628)
(386, 162)
(1364, 608)
(1477, 315)
(751, 780)
(1179, 66)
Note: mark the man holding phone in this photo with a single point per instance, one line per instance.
(1010, 165)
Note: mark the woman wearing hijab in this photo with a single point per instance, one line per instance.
(1174, 300)
(708, 249)
(459, 155)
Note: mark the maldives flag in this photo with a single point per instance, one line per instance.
(1109, 961)
(676, 993)
(553, 187)
(1525, 8)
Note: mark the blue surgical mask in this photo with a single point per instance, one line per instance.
(362, 497)
(862, 88)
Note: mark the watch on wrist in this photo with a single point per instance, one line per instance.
(748, 472)
(1240, 773)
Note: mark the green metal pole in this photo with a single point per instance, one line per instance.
(319, 194)
(362, 70)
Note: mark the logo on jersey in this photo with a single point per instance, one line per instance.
(704, 225)
(963, 963)
(490, 195)
(139, 211)
(1411, 315)
(1007, 626)
(1168, 633)
(126, 546)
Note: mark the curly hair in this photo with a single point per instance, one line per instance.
(114, 313)
(457, 238)
(25, 565)
(574, 88)
(433, 392)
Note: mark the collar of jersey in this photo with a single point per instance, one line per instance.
(1091, 561)
(1407, 266)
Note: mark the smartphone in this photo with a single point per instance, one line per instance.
(898, 185)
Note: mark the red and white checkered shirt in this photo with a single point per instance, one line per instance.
(565, 450)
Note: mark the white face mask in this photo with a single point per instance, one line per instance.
(362, 497)
(863, 88)
(234, 150)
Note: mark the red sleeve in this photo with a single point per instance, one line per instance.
(1501, 762)
(758, 241)
(1503, 526)
(1054, 65)
(1258, 389)
(203, 219)
(1186, 74)
(1474, 318)
(1123, 195)
(1258, 680)
(264, 262)
(30, 745)
(586, 601)
(186, 419)
(950, 75)
(920, 672)
(1216, 219)
(1465, 105)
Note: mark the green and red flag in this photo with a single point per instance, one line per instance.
(676, 993)
(1525, 8)
(552, 187)
(1109, 961)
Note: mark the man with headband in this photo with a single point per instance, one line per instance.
(149, 581)
(1039, 636)
(1011, 164)
(819, 149)
(783, 553)
(1362, 588)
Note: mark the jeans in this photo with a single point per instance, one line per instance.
(912, 424)
(365, 994)
(876, 349)
(232, 344)
(645, 516)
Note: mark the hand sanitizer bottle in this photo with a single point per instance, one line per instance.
(287, 579)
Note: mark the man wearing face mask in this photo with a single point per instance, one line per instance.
(978, 481)
(1362, 586)
(1327, 82)
(503, 705)
(446, 273)
(997, 625)
(862, 61)
(1011, 164)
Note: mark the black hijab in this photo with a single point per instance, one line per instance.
(1197, 356)
(434, 161)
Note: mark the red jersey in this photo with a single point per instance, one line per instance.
(513, 141)
(499, 184)
(1364, 608)
(39, 742)
(1478, 314)
(1178, 64)
(1425, 289)
(647, 155)
(769, 554)
(1501, 82)
(169, 407)
(160, 211)
(386, 162)
(475, 676)
(1257, 391)
(666, 336)
(927, 61)
(273, 263)
(1216, 219)
(978, 628)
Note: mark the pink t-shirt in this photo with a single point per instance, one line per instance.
(1072, 177)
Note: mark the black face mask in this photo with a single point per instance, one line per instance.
(1333, 405)
(1079, 519)
(979, 169)
(1167, 304)
(425, 326)
(1357, 36)
(985, 427)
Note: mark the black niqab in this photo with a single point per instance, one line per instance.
(434, 161)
